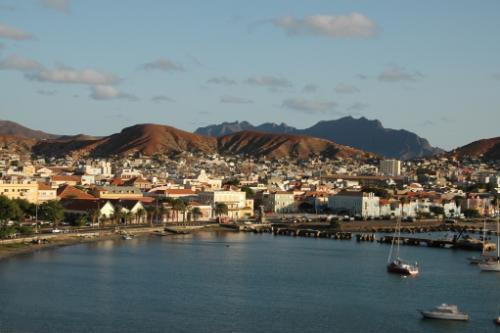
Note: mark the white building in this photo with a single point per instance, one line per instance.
(355, 203)
(281, 202)
(390, 167)
(236, 201)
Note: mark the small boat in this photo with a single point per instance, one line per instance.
(126, 237)
(445, 312)
(490, 266)
(493, 265)
(497, 320)
(481, 259)
(399, 267)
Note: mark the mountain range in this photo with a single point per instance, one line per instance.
(149, 139)
(238, 138)
(361, 133)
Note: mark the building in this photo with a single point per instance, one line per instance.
(117, 192)
(355, 203)
(21, 189)
(46, 193)
(238, 205)
(280, 202)
(390, 167)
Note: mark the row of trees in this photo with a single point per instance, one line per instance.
(15, 211)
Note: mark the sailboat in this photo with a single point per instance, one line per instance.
(493, 265)
(397, 265)
(483, 257)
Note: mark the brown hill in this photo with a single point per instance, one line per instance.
(15, 144)
(14, 129)
(147, 139)
(283, 146)
(488, 148)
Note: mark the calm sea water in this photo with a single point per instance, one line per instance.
(229, 282)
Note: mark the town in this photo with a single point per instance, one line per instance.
(195, 188)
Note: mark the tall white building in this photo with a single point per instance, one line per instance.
(390, 167)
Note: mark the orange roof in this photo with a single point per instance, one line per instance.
(66, 178)
(44, 187)
(70, 192)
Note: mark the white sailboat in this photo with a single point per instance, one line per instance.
(493, 265)
(484, 257)
(397, 265)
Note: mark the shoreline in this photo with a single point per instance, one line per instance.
(25, 246)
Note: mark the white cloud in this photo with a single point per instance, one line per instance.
(222, 80)
(13, 33)
(343, 88)
(399, 74)
(310, 88)
(46, 92)
(103, 92)
(70, 75)
(358, 106)
(309, 106)
(163, 64)
(352, 25)
(269, 81)
(162, 98)
(235, 100)
(61, 5)
(20, 63)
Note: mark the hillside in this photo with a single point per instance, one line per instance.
(18, 145)
(364, 134)
(14, 129)
(283, 146)
(147, 139)
(488, 148)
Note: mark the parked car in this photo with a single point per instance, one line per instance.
(56, 231)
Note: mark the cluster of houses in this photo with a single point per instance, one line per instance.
(136, 187)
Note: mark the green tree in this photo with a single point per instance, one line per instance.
(250, 193)
(196, 213)
(221, 209)
(52, 211)
(9, 210)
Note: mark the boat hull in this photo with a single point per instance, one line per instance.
(490, 267)
(393, 268)
(445, 316)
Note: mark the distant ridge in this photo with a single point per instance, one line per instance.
(284, 146)
(361, 133)
(489, 149)
(14, 129)
(150, 139)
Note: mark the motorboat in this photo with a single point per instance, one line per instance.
(400, 267)
(126, 237)
(445, 312)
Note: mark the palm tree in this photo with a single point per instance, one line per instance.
(196, 213)
(178, 205)
(94, 217)
(221, 209)
(128, 217)
(140, 215)
(150, 211)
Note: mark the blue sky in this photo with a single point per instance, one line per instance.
(96, 66)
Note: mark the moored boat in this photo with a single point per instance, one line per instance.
(399, 267)
(445, 312)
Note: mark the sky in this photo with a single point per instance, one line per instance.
(97, 66)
